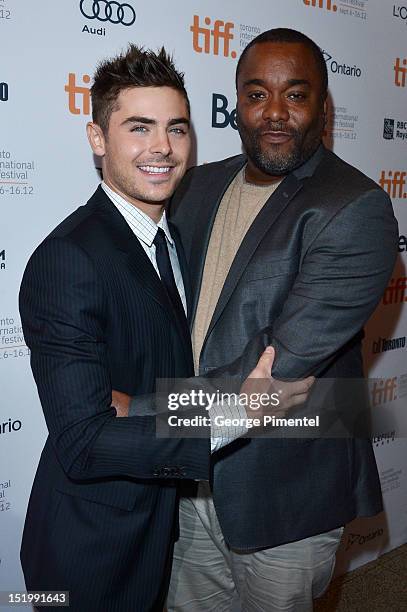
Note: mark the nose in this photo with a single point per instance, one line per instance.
(161, 143)
(275, 109)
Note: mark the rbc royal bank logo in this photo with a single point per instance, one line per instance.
(388, 129)
(213, 40)
(111, 12)
(78, 95)
(393, 129)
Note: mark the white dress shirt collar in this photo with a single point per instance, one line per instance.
(141, 224)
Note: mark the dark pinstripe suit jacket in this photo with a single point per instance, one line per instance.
(100, 521)
(307, 276)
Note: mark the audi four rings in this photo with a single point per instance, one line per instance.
(102, 10)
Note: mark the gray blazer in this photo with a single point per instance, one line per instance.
(306, 278)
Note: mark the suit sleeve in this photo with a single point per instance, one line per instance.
(343, 275)
(63, 307)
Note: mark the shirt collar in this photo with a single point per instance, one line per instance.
(141, 224)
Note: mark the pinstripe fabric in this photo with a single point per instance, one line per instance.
(100, 523)
(145, 229)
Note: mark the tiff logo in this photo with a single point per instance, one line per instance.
(3, 259)
(384, 390)
(322, 4)
(76, 92)
(203, 37)
(400, 72)
(394, 183)
(395, 292)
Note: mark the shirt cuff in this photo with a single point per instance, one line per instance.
(222, 434)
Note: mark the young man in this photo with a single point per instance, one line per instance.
(103, 303)
(287, 246)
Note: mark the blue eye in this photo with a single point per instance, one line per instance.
(139, 128)
(177, 130)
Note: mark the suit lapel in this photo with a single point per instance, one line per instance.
(268, 215)
(204, 223)
(136, 258)
(139, 263)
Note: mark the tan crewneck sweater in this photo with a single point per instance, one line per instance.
(239, 207)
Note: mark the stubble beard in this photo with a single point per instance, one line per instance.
(273, 160)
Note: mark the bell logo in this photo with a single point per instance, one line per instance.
(4, 92)
(400, 69)
(322, 4)
(202, 37)
(221, 116)
(76, 92)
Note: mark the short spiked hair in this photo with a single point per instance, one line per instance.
(136, 67)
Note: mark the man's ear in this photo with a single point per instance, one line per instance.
(96, 138)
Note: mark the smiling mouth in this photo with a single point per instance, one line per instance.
(156, 170)
(276, 136)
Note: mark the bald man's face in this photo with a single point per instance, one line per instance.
(280, 108)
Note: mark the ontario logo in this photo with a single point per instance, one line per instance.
(214, 37)
(341, 68)
(360, 539)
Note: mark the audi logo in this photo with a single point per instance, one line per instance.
(102, 10)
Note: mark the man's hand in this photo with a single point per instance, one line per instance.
(261, 381)
(121, 401)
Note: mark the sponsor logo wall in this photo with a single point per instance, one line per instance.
(47, 170)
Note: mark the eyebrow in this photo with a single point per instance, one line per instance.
(149, 121)
(290, 82)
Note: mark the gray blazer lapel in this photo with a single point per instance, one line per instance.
(261, 225)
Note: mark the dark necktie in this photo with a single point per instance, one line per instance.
(167, 277)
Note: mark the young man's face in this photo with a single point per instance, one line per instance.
(280, 108)
(147, 145)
